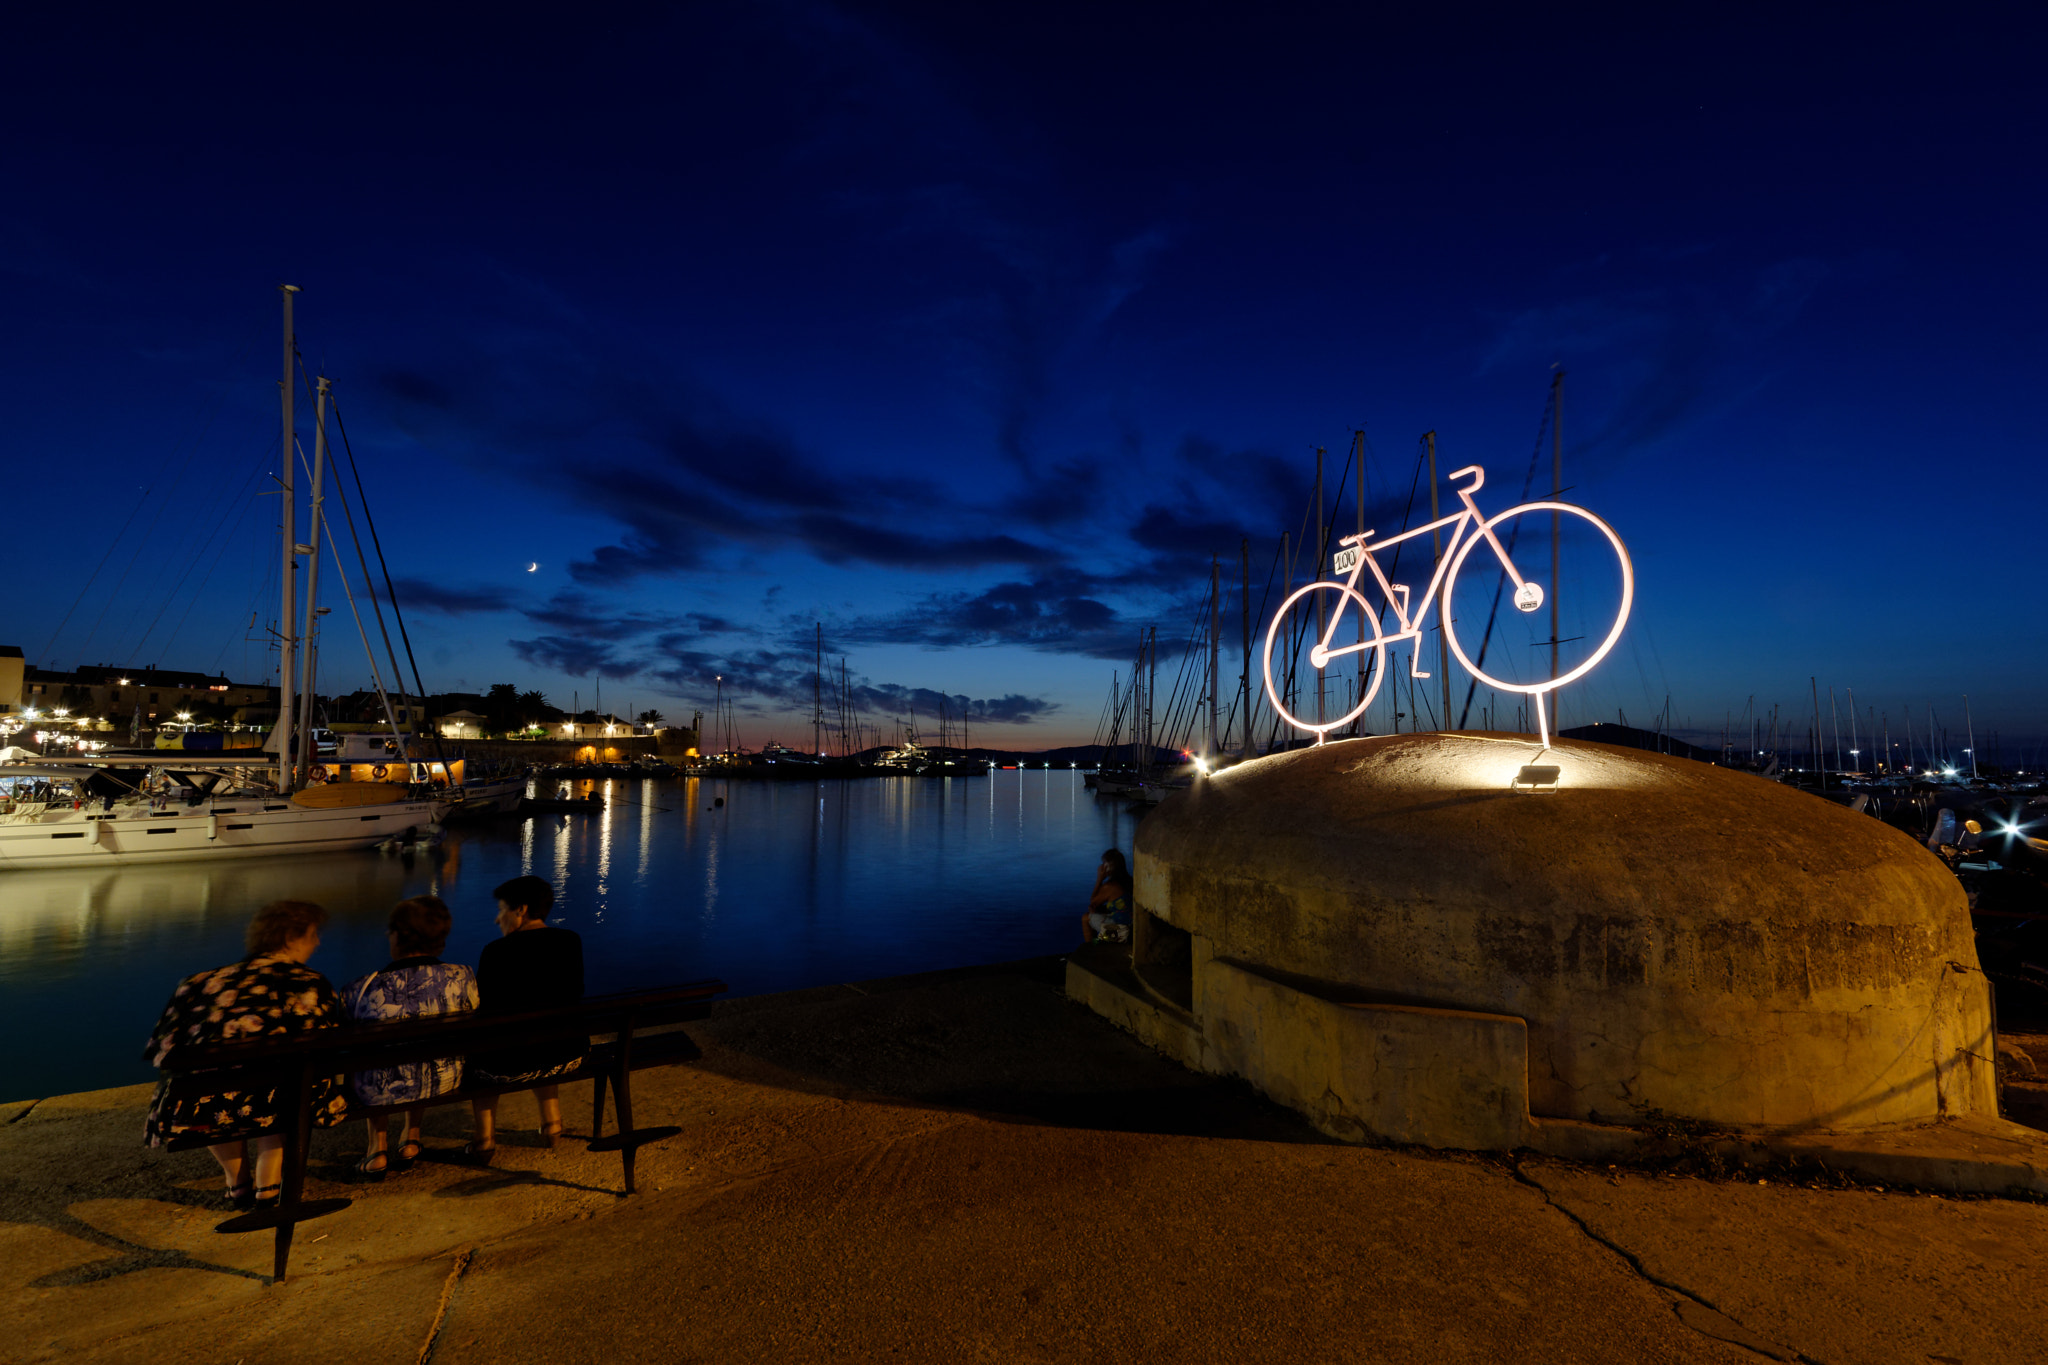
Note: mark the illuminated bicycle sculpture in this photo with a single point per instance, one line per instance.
(1468, 529)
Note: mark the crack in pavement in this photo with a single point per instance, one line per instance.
(1692, 1309)
(455, 1273)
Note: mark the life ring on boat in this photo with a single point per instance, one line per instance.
(318, 774)
(378, 772)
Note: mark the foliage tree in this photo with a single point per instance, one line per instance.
(502, 707)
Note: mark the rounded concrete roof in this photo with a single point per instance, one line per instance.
(1680, 938)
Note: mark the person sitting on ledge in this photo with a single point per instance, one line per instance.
(532, 966)
(414, 984)
(269, 993)
(1109, 908)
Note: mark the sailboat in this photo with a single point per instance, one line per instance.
(113, 808)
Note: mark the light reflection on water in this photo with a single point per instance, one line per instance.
(787, 885)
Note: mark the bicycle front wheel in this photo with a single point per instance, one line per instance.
(1295, 637)
(1496, 535)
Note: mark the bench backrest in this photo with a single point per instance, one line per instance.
(362, 1046)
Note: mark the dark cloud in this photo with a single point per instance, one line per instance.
(766, 681)
(593, 616)
(414, 389)
(1067, 492)
(576, 656)
(839, 539)
(1653, 360)
(1057, 612)
(423, 595)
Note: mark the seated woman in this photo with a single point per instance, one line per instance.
(414, 984)
(1109, 906)
(270, 992)
(532, 966)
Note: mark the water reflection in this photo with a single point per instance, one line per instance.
(785, 885)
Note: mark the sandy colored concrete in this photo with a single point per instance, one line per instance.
(969, 1167)
(1681, 940)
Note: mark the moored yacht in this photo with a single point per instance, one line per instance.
(185, 803)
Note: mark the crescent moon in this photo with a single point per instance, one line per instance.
(533, 566)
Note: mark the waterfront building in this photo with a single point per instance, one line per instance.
(110, 693)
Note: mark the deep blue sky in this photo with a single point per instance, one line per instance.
(972, 331)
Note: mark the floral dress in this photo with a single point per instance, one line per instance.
(256, 997)
(410, 988)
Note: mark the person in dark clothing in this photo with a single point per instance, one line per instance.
(532, 966)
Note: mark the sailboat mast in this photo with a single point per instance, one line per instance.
(1443, 614)
(1151, 699)
(1364, 660)
(1970, 729)
(1855, 732)
(1322, 617)
(304, 760)
(818, 692)
(1556, 519)
(287, 622)
(1244, 676)
(1215, 630)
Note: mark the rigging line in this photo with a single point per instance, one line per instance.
(191, 453)
(1265, 597)
(234, 507)
(1336, 510)
(369, 583)
(1500, 583)
(342, 574)
(226, 543)
(263, 583)
(140, 499)
(396, 614)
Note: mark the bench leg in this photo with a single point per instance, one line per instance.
(597, 1106)
(297, 1143)
(622, 1091)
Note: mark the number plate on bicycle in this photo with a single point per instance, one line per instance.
(1344, 560)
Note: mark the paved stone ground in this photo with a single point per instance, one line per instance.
(967, 1167)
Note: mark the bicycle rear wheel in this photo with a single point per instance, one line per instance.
(1493, 524)
(1297, 628)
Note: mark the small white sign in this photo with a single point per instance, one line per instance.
(1344, 559)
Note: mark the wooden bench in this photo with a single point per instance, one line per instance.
(630, 1028)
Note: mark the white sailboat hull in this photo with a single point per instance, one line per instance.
(245, 828)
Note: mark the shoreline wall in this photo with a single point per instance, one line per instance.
(550, 751)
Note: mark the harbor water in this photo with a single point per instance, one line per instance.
(785, 885)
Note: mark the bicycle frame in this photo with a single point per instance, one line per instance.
(1398, 595)
(1468, 528)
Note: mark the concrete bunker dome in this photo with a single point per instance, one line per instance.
(1676, 939)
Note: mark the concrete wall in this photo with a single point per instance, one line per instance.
(1359, 1071)
(1400, 1073)
(1680, 940)
(547, 752)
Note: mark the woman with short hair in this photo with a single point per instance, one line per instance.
(271, 992)
(415, 984)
